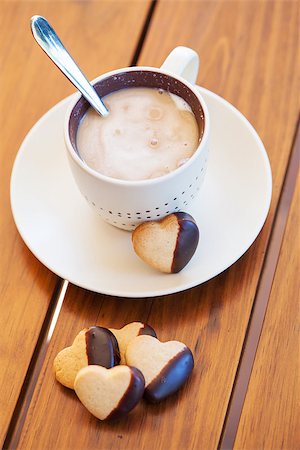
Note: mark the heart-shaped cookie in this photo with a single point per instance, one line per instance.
(165, 365)
(168, 244)
(109, 393)
(94, 345)
(128, 332)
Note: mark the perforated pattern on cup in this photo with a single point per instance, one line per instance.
(129, 220)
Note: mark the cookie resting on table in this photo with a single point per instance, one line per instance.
(109, 393)
(94, 345)
(128, 332)
(165, 365)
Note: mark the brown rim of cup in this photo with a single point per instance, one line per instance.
(136, 78)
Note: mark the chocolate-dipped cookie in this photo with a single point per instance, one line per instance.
(165, 365)
(167, 244)
(128, 332)
(94, 345)
(109, 393)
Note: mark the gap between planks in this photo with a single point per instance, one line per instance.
(260, 303)
(19, 415)
(35, 365)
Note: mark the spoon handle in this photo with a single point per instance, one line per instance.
(52, 45)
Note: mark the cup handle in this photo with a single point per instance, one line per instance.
(183, 61)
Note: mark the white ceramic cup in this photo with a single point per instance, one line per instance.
(125, 204)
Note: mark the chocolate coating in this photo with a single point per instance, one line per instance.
(132, 395)
(186, 243)
(171, 378)
(147, 330)
(102, 347)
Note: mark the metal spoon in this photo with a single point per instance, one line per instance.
(52, 45)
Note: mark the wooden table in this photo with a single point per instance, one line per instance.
(242, 325)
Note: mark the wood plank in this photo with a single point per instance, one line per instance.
(253, 67)
(270, 416)
(101, 36)
(262, 295)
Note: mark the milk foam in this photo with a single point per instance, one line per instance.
(148, 133)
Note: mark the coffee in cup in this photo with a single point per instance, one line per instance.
(148, 133)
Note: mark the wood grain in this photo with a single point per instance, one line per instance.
(270, 417)
(253, 67)
(101, 36)
(262, 296)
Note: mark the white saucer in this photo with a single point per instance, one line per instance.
(67, 237)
